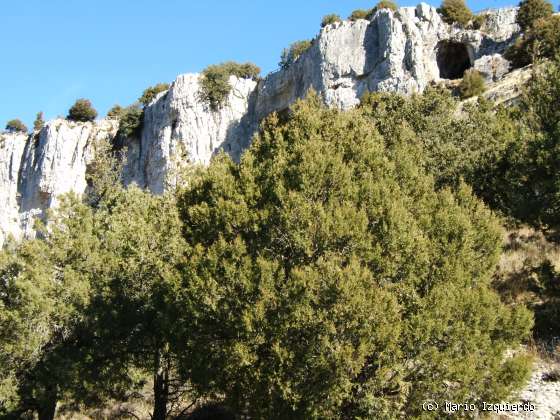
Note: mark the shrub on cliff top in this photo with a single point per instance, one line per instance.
(115, 112)
(130, 122)
(359, 14)
(291, 54)
(386, 4)
(214, 83)
(330, 19)
(150, 93)
(39, 122)
(455, 11)
(16, 126)
(473, 84)
(532, 10)
(82, 110)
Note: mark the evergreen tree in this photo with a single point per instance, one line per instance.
(16, 126)
(150, 93)
(328, 278)
(455, 11)
(39, 122)
(532, 10)
(82, 111)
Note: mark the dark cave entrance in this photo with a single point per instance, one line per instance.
(453, 59)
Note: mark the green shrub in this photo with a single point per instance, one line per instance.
(479, 21)
(82, 110)
(150, 93)
(131, 119)
(532, 10)
(16, 126)
(359, 14)
(214, 84)
(546, 35)
(330, 19)
(329, 278)
(541, 40)
(455, 11)
(532, 177)
(473, 84)
(521, 52)
(115, 112)
(290, 55)
(386, 4)
(472, 147)
(39, 122)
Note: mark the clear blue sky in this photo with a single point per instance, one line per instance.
(55, 51)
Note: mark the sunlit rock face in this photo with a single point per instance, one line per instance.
(12, 146)
(402, 51)
(179, 126)
(35, 170)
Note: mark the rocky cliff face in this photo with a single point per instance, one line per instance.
(402, 51)
(35, 170)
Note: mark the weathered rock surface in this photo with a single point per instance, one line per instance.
(401, 51)
(11, 151)
(35, 170)
(177, 125)
(543, 391)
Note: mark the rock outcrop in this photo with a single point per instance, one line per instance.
(35, 170)
(402, 51)
(177, 124)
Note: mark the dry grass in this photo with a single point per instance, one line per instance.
(524, 251)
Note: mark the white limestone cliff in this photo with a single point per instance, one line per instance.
(35, 170)
(402, 51)
(12, 146)
(178, 124)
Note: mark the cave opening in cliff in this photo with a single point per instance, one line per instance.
(453, 59)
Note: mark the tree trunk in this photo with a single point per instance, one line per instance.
(161, 389)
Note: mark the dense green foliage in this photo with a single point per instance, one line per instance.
(532, 10)
(131, 119)
(359, 14)
(93, 319)
(291, 54)
(150, 93)
(214, 85)
(343, 269)
(451, 148)
(472, 84)
(330, 19)
(541, 40)
(329, 279)
(455, 11)
(532, 175)
(508, 156)
(16, 126)
(115, 112)
(386, 4)
(39, 122)
(82, 110)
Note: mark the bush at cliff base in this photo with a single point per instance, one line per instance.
(328, 278)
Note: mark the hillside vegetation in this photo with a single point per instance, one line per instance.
(345, 268)
(352, 265)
